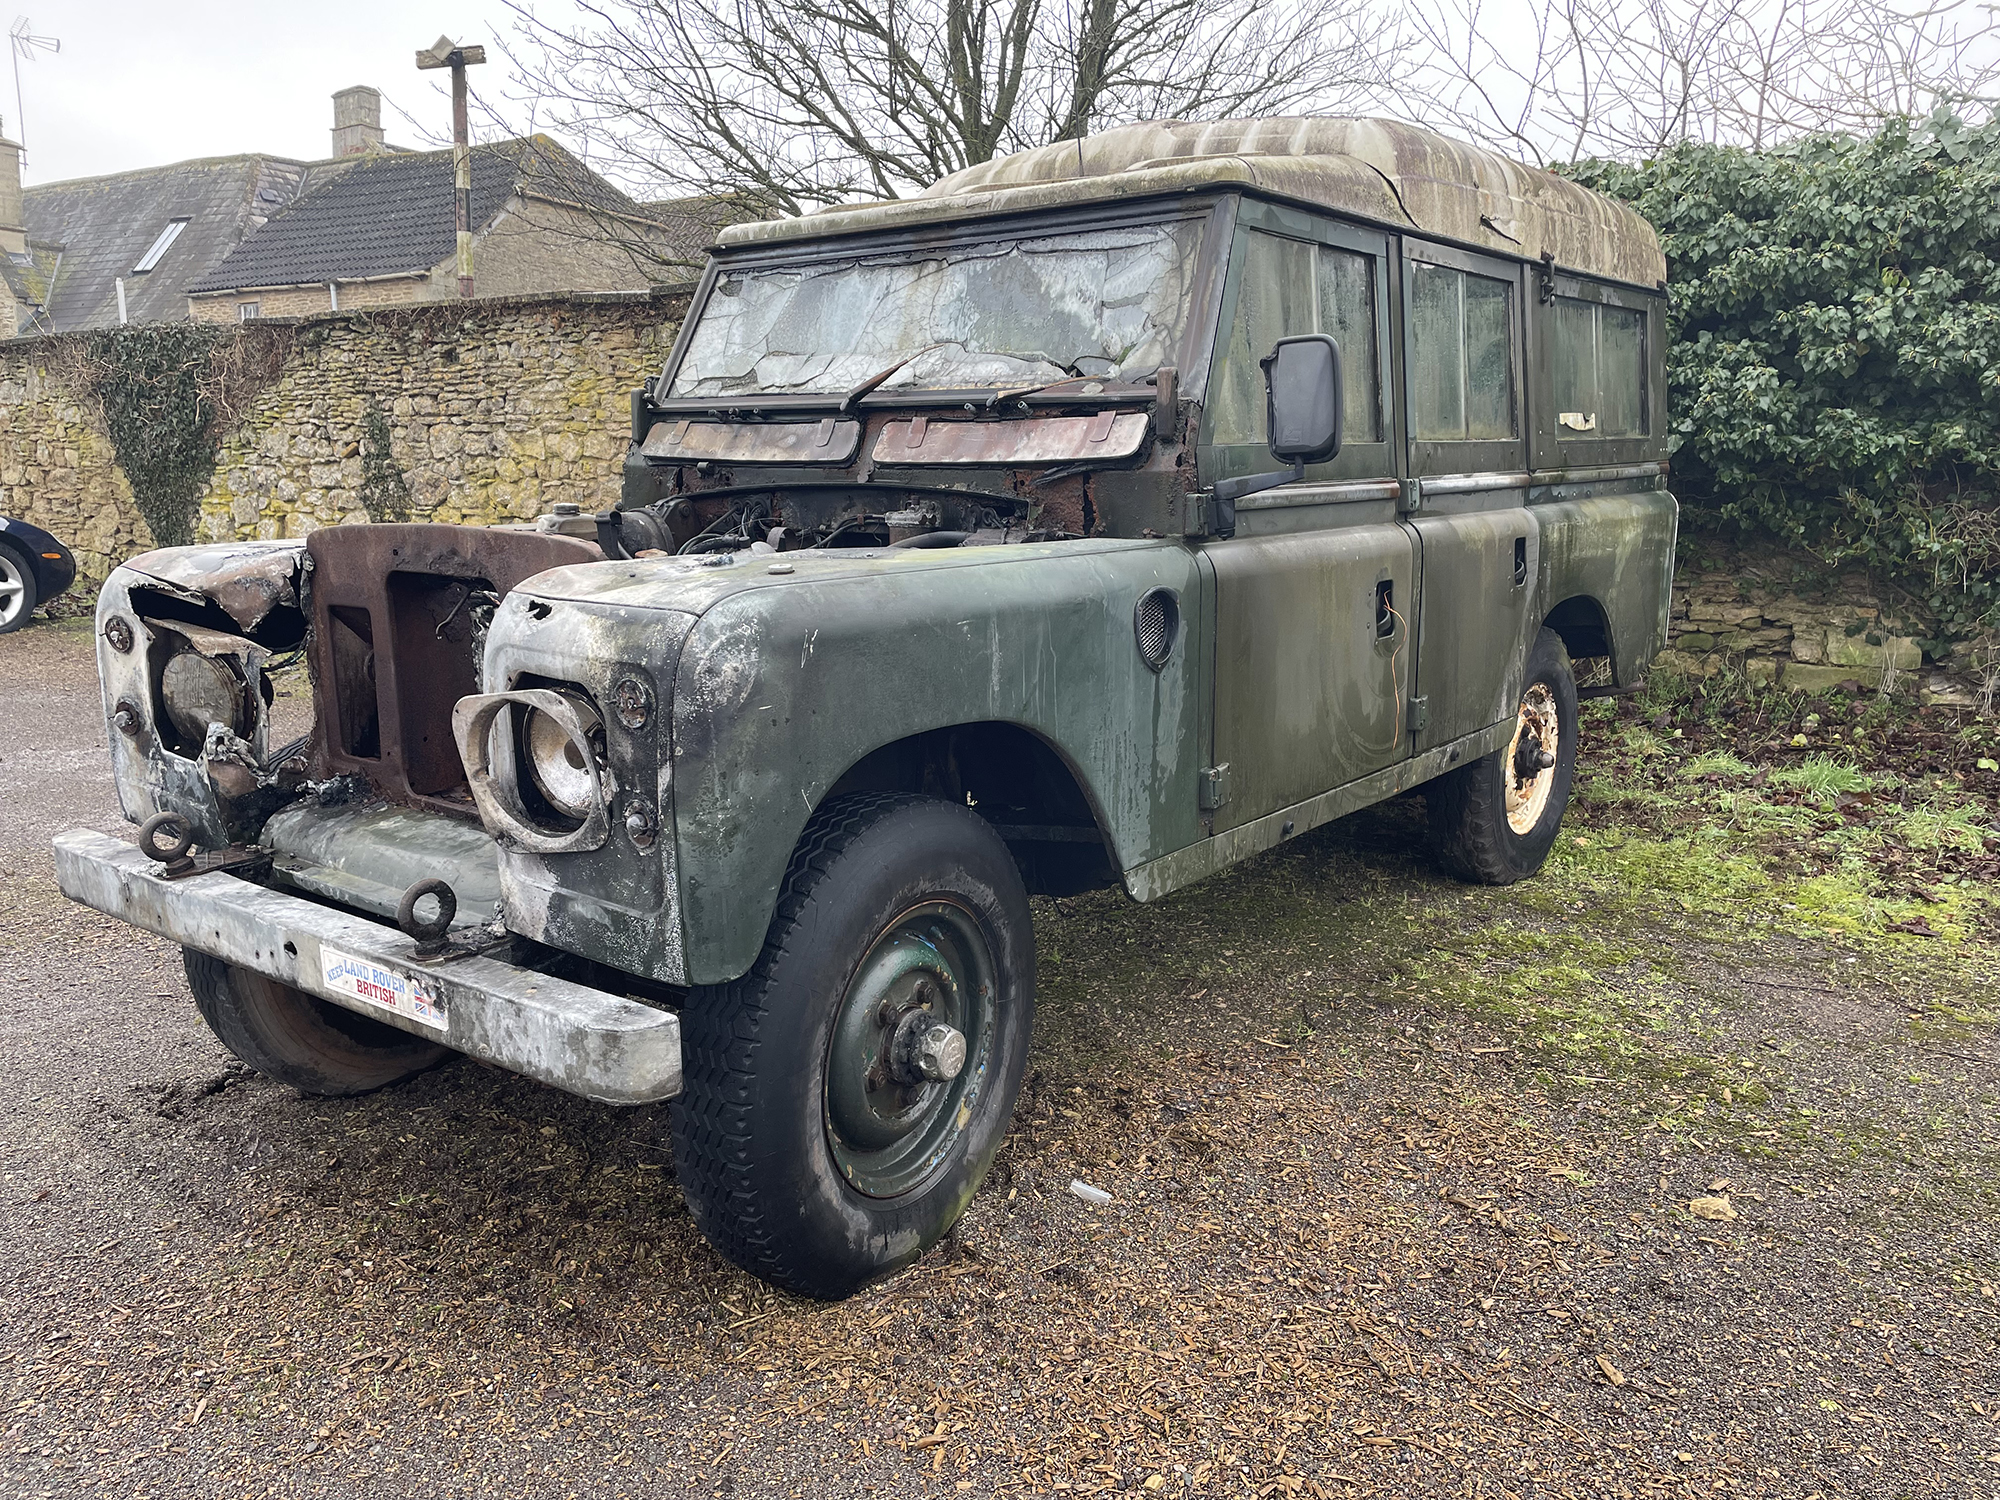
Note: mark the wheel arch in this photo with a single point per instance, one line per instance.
(1583, 624)
(1019, 780)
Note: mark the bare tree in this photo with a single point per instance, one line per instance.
(1564, 79)
(797, 103)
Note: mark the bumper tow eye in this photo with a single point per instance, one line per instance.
(432, 934)
(167, 837)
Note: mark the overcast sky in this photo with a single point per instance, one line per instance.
(141, 82)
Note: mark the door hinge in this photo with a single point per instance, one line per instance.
(1214, 787)
(1420, 715)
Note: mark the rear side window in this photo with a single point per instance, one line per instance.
(1600, 370)
(1462, 353)
(1291, 287)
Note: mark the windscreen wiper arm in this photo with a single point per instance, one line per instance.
(847, 401)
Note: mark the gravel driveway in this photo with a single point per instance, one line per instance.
(1674, 1172)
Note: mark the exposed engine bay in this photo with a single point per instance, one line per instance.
(391, 623)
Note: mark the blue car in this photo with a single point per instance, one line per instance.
(34, 568)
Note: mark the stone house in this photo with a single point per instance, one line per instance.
(173, 242)
(98, 251)
(14, 263)
(383, 232)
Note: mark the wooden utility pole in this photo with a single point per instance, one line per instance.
(445, 53)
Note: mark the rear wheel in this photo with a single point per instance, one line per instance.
(300, 1039)
(17, 589)
(845, 1098)
(1495, 820)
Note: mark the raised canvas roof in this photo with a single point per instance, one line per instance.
(1394, 174)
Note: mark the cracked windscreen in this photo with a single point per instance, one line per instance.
(1107, 303)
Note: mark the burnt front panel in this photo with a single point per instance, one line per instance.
(399, 621)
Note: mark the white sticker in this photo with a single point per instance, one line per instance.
(381, 989)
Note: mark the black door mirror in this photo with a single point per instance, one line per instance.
(1302, 398)
(1302, 407)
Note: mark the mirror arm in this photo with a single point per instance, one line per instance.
(1232, 490)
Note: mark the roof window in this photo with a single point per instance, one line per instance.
(159, 246)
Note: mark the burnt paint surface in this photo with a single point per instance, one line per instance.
(786, 681)
(618, 904)
(393, 636)
(156, 604)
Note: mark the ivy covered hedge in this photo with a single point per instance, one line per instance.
(1834, 368)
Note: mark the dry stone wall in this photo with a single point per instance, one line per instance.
(476, 412)
(57, 469)
(482, 411)
(1775, 616)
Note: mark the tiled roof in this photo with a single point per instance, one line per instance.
(691, 224)
(391, 214)
(87, 233)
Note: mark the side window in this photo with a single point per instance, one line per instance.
(1291, 287)
(1600, 370)
(1462, 349)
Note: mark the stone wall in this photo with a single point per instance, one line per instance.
(1779, 617)
(479, 411)
(484, 411)
(57, 470)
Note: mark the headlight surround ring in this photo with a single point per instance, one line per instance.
(497, 791)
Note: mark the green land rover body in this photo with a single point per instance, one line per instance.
(1103, 516)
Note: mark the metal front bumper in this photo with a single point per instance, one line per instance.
(601, 1046)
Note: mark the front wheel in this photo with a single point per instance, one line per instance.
(1495, 820)
(300, 1039)
(845, 1098)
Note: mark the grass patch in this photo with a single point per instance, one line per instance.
(1822, 776)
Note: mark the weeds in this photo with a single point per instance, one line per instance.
(1822, 776)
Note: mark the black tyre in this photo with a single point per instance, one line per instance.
(830, 1129)
(17, 589)
(1495, 820)
(300, 1039)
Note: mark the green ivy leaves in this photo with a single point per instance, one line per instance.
(153, 381)
(1834, 375)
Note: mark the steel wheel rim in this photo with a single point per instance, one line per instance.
(1537, 726)
(889, 1137)
(13, 588)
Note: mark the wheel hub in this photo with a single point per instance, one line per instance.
(1531, 758)
(926, 1050)
(906, 1061)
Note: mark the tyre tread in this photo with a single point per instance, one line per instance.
(720, 1030)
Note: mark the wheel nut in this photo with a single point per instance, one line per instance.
(940, 1053)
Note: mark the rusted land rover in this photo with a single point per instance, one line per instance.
(1103, 516)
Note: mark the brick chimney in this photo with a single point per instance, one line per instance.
(13, 217)
(357, 121)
